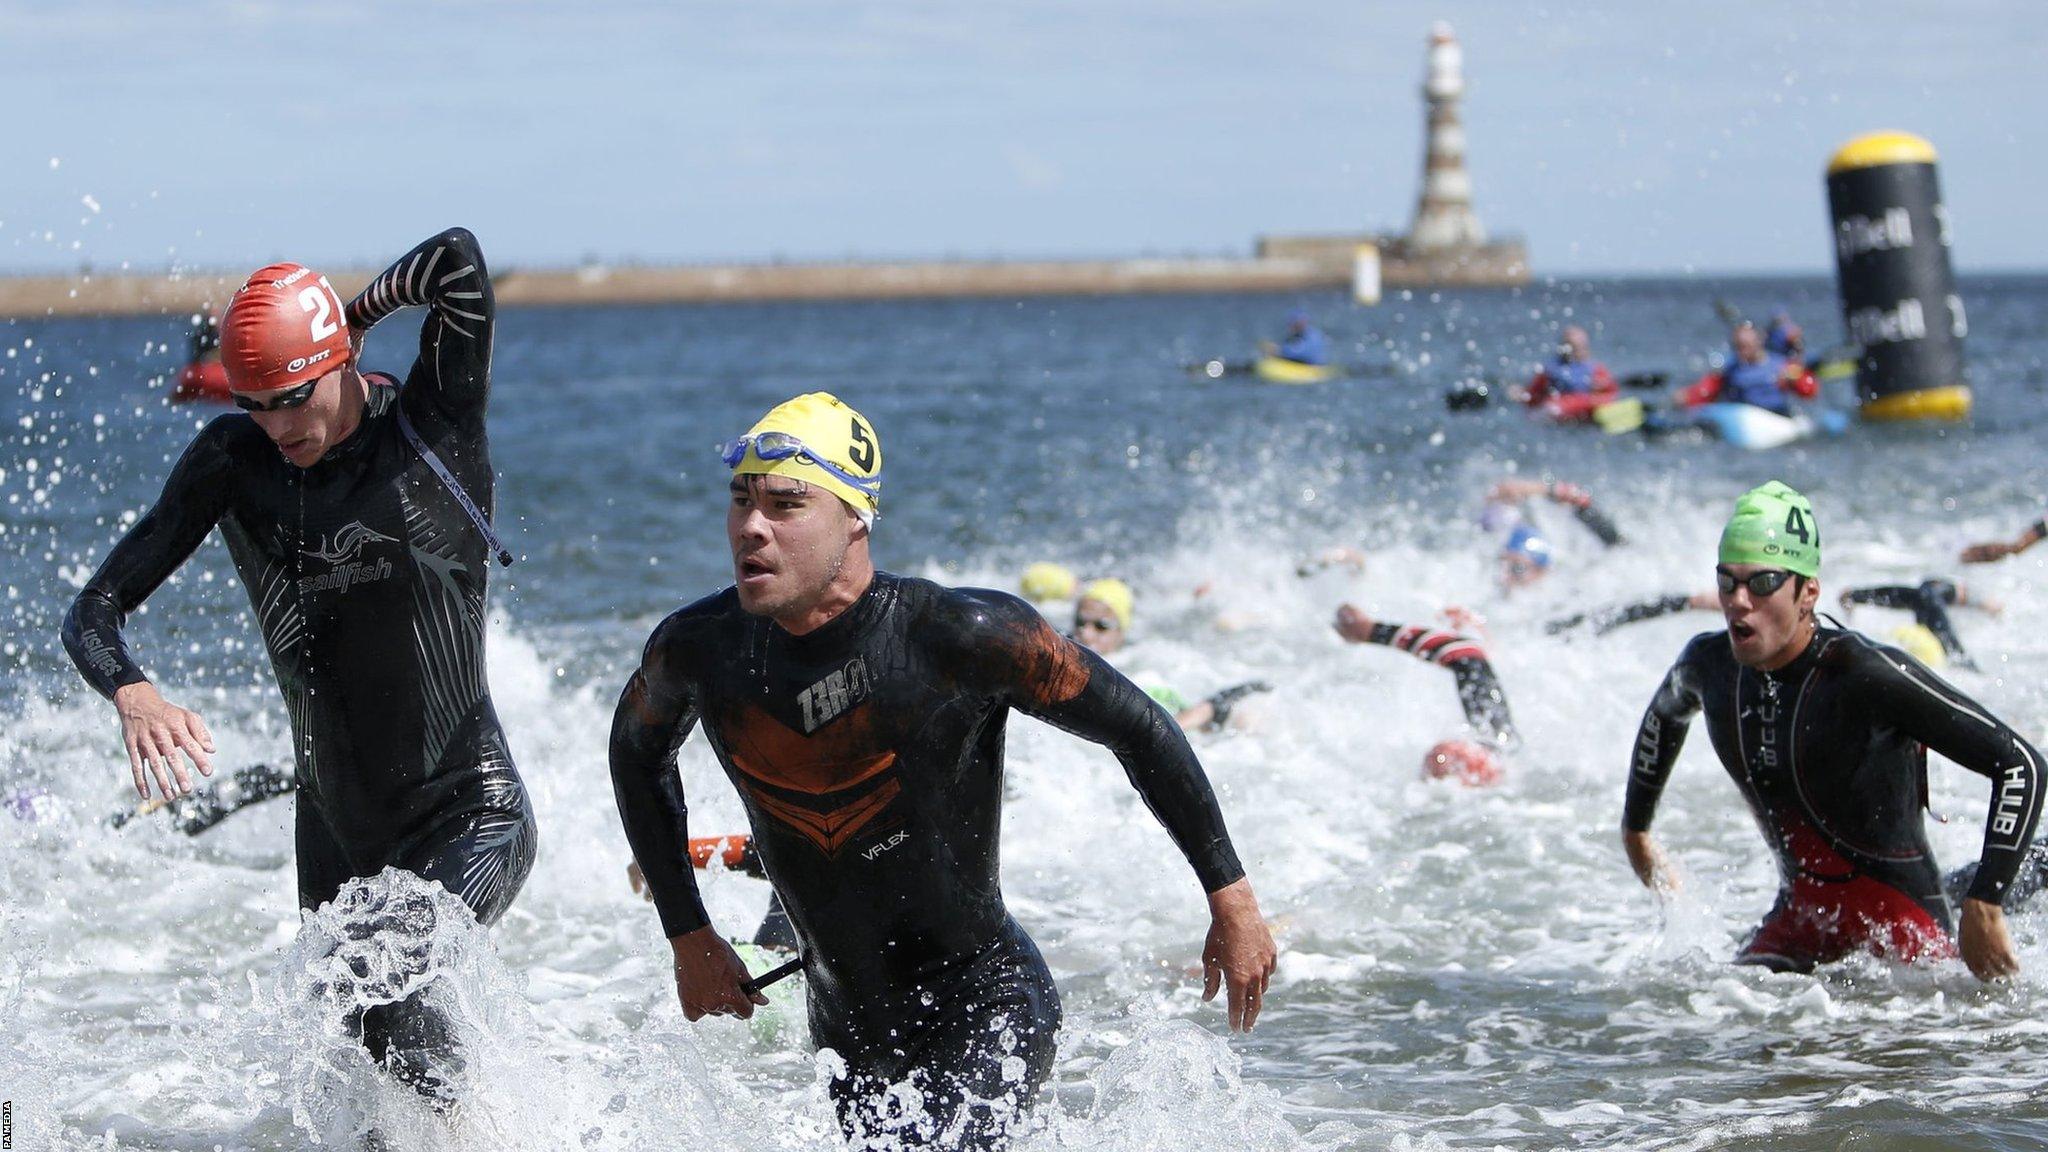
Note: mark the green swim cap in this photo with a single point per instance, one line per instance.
(1773, 526)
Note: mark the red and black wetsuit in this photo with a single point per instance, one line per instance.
(368, 582)
(1479, 690)
(1830, 751)
(869, 755)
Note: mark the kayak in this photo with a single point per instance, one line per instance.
(203, 379)
(1747, 426)
(1274, 370)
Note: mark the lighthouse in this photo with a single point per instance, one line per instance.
(1443, 216)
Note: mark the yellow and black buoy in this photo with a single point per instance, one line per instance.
(1898, 290)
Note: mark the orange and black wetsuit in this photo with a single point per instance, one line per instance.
(1830, 751)
(869, 755)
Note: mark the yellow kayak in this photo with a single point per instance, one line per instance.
(1274, 370)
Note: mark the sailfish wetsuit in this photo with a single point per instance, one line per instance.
(368, 581)
(1830, 752)
(869, 755)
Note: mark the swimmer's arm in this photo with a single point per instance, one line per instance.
(654, 715)
(2000, 549)
(447, 275)
(193, 500)
(1916, 702)
(1886, 596)
(1659, 739)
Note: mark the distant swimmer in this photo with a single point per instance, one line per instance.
(1999, 549)
(1826, 735)
(1525, 554)
(1479, 691)
(199, 811)
(1572, 383)
(356, 513)
(1753, 375)
(1304, 343)
(1102, 624)
(1605, 620)
(860, 716)
(1929, 602)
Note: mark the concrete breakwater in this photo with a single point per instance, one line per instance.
(175, 293)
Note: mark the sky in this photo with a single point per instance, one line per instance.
(1631, 137)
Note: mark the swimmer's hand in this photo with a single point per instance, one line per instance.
(638, 880)
(155, 731)
(1353, 625)
(1649, 862)
(1239, 953)
(708, 975)
(1986, 945)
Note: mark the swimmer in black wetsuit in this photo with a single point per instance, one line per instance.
(1825, 733)
(1479, 690)
(1929, 603)
(367, 573)
(860, 715)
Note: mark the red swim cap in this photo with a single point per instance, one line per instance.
(1467, 761)
(284, 327)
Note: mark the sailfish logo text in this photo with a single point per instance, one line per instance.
(344, 553)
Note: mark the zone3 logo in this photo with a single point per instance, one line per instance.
(828, 698)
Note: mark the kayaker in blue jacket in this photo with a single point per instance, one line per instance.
(1752, 376)
(1305, 343)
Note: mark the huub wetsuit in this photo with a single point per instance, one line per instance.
(368, 581)
(1929, 605)
(869, 754)
(1830, 753)
(1479, 690)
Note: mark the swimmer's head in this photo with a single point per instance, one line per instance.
(284, 345)
(819, 440)
(1044, 581)
(1767, 576)
(1468, 762)
(1773, 526)
(1524, 558)
(803, 496)
(1102, 616)
(1921, 643)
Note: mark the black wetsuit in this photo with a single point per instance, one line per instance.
(1608, 619)
(368, 582)
(869, 755)
(1929, 604)
(1830, 753)
(1479, 690)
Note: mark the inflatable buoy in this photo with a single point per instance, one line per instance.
(1467, 761)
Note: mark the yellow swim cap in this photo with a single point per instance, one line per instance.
(815, 438)
(1113, 593)
(1922, 644)
(1043, 581)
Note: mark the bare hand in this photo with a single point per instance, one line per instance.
(708, 975)
(638, 880)
(1239, 953)
(1649, 862)
(1516, 491)
(155, 731)
(1353, 625)
(1986, 945)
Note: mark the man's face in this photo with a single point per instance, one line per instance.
(1749, 344)
(304, 433)
(1576, 344)
(789, 541)
(1096, 627)
(1765, 630)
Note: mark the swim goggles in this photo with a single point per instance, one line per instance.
(1097, 624)
(1761, 584)
(782, 446)
(294, 397)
